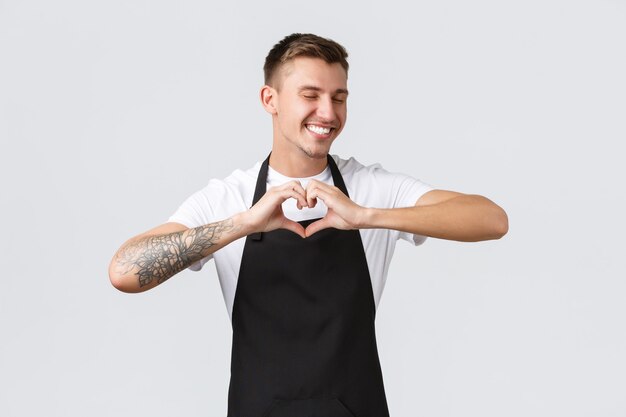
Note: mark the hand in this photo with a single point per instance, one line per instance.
(342, 213)
(267, 214)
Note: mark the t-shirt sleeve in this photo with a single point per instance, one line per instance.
(407, 190)
(195, 211)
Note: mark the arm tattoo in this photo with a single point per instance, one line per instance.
(160, 257)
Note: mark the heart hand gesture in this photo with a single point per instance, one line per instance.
(267, 214)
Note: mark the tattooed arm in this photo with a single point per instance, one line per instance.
(151, 258)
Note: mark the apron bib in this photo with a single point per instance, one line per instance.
(304, 342)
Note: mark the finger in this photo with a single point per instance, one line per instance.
(294, 227)
(291, 189)
(295, 186)
(311, 195)
(321, 186)
(317, 226)
(291, 193)
(320, 193)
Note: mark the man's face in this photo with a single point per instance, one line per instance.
(310, 105)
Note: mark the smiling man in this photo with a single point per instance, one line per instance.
(302, 244)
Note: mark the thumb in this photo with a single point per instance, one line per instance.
(316, 226)
(293, 227)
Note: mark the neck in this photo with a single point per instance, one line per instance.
(296, 165)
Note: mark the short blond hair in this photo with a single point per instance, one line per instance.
(303, 44)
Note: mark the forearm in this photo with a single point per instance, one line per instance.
(147, 261)
(467, 218)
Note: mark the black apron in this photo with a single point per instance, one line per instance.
(304, 342)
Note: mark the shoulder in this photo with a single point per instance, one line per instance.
(375, 186)
(240, 181)
(235, 191)
(353, 170)
(351, 166)
(221, 197)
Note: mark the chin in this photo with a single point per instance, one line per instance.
(316, 153)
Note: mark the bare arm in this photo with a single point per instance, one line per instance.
(445, 215)
(438, 213)
(153, 257)
(150, 259)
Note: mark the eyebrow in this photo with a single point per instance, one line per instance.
(314, 88)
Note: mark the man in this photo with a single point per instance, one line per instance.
(303, 286)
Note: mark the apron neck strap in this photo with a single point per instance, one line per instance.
(261, 181)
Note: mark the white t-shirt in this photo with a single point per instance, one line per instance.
(368, 186)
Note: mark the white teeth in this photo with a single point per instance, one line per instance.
(318, 129)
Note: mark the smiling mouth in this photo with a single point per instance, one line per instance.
(320, 130)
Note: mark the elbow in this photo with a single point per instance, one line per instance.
(492, 223)
(118, 283)
(500, 224)
(121, 282)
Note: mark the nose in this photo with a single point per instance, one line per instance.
(326, 109)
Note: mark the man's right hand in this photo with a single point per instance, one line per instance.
(267, 214)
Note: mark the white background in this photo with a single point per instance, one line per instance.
(113, 112)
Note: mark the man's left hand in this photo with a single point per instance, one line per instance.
(343, 213)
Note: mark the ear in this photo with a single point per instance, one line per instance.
(268, 98)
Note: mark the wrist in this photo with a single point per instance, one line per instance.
(366, 218)
(244, 224)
